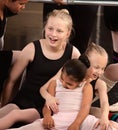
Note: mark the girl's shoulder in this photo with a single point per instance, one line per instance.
(87, 85)
(75, 53)
(28, 51)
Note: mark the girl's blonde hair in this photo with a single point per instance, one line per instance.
(62, 14)
(96, 48)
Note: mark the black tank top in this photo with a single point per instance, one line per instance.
(39, 71)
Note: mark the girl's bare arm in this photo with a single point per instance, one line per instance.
(85, 107)
(26, 56)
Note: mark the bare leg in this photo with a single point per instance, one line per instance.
(26, 115)
(111, 72)
(7, 108)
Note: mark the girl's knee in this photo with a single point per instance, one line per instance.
(12, 106)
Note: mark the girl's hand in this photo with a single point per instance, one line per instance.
(52, 103)
(104, 124)
(48, 122)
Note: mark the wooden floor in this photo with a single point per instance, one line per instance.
(27, 26)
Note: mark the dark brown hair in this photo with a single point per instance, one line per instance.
(75, 68)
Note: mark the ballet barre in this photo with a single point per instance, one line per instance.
(84, 2)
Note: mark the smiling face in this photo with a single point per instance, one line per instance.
(98, 63)
(16, 6)
(56, 31)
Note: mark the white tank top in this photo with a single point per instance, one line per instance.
(69, 100)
